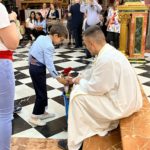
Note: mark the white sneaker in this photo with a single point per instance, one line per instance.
(46, 115)
(37, 122)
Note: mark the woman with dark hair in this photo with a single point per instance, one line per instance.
(30, 22)
(40, 25)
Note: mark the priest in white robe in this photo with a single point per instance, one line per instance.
(103, 94)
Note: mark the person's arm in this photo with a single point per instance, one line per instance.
(48, 57)
(98, 6)
(83, 7)
(8, 35)
(103, 79)
(61, 80)
(27, 22)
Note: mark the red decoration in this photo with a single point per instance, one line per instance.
(66, 71)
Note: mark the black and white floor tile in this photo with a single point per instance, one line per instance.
(25, 95)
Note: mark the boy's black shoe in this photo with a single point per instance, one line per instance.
(17, 109)
(65, 129)
(63, 144)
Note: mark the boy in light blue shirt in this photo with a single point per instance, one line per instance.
(40, 58)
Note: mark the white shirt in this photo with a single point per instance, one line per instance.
(92, 11)
(4, 22)
(30, 24)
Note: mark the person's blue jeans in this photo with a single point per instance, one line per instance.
(38, 76)
(7, 90)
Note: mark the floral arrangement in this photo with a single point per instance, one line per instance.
(67, 87)
(66, 71)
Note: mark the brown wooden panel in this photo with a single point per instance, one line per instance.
(112, 141)
(135, 130)
(33, 144)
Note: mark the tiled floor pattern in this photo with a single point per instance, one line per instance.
(25, 96)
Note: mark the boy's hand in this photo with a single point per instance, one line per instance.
(69, 80)
(62, 80)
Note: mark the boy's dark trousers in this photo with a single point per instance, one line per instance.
(38, 76)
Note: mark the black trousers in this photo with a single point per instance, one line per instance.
(29, 32)
(113, 39)
(77, 35)
(38, 76)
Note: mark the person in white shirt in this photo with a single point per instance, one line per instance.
(9, 41)
(92, 11)
(30, 24)
(103, 94)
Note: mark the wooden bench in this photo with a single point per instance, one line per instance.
(134, 133)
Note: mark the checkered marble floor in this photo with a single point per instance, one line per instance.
(25, 95)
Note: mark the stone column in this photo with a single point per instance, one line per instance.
(124, 19)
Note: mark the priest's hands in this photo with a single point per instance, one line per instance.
(71, 80)
(76, 80)
(68, 80)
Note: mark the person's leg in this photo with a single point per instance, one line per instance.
(80, 35)
(28, 32)
(76, 37)
(7, 90)
(110, 38)
(69, 33)
(116, 40)
(69, 43)
(88, 54)
(38, 76)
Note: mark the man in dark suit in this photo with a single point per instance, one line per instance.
(76, 23)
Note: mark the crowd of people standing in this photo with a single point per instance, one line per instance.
(80, 15)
